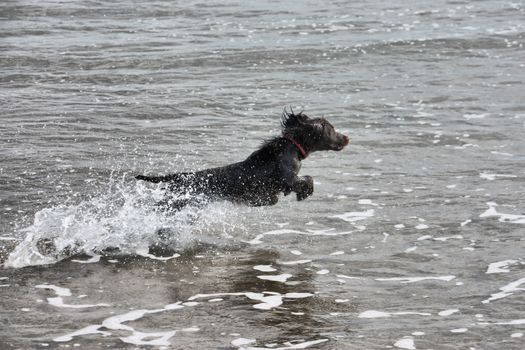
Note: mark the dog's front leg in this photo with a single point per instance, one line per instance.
(303, 187)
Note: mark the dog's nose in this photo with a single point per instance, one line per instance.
(346, 140)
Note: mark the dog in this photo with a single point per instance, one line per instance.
(267, 172)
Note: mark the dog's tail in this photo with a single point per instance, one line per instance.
(157, 179)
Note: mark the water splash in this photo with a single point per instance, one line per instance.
(122, 217)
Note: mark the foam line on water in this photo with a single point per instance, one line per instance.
(275, 278)
(492, 177)
(417, 279)
(506, 291)
(159, 338)
(288, 346)
(448, 312)
(500, 266)
(383, 314)
(268, 301)
(355, 216)
(264, 268)
(459, 330)
(502, 217)
(325, 232)
(440, 239)
(88, 330)
(239, 342)
(144, 252)
(294, 262)
(116, 323)
(61, 292)
(405, 343)
(7, 238)
(512, 323)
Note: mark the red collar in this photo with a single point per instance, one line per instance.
(297, 144)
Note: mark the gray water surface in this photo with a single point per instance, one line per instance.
(413, 238)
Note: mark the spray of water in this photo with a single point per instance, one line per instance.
(123, 218)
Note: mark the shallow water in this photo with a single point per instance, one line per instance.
(413, 237)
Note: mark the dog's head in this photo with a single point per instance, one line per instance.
(316, 134)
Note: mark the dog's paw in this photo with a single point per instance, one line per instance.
(306, 188)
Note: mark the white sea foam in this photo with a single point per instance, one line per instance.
(501, 266)
(339, 252)
(492, 212)
(7, 238)
(383, 314)
(446, 238)
(296, 295)
(512, 323)
(442, 239)
(355, 216)
(294, 262)
(275, 278)
(505, 154)
(268, 300)
(492, 177)
(242, 341)
(405, 343)
(140, 338)
(330, 232)
(459, 330)
(474, 116)
(506, 291)
(367, 202)
(448, 312)
(416, 279)
(91, 329)
(136, 337)
(144, 252)
(466, 222)
(61, 292)
(264, 268)
(288, 346)
(349, 277)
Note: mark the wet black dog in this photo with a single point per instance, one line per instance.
(260, 178)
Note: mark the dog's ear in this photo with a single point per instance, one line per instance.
(292, 120)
